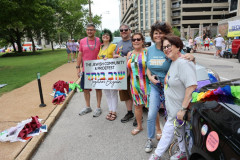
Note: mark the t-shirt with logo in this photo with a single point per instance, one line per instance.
(157, 62)
(181, 75)
(123, 47)
(89, 49)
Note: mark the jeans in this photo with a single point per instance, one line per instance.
(154, 105)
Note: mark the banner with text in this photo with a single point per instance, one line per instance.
(106, 74)
(234, 28)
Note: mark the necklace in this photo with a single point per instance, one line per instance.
(94, 44)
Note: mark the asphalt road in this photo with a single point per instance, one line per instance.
(226, 68)
(77, 137)
(86, 138)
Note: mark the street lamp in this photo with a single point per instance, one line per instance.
(106, 12)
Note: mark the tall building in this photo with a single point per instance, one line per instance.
(189, 16)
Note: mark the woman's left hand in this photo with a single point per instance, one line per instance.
(180, 115)
(188, 56)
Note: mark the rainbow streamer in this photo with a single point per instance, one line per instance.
(220, 92)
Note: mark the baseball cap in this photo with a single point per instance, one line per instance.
(219, 35)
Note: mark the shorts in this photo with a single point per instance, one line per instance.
(74, 51)
(219, 48)
(206, 45)
(126, 94)
(68, 51)
(82, 81)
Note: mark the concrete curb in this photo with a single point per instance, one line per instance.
(32, 145)
(209, 53)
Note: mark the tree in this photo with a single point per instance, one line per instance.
(176, 31)
(116, 33)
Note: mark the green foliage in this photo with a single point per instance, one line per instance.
(116, 33)
(17, 71)
(54, 20)
(176, 31)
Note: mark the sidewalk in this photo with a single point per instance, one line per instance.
(209, 52)
(22, 103)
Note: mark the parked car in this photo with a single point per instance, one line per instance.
(236, 48)
(186, 46)
(37, 47)
(148, 42)
(62, 46)
(216, 126)
(116, 40)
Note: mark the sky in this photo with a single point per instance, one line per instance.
(110, 21)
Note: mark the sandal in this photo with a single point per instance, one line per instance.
(113, 117)
(136, 131)
(109, 116)
(159, 136)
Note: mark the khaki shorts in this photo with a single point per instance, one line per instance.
(126, 94)
(219, 48)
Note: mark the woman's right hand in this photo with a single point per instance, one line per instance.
(153, 80)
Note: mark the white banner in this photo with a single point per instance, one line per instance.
(234, 28)
(106, 74)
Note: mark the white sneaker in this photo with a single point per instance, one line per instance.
(149, 146)
(154, 157)
(179, 156)
(97, 112)
(85, 111)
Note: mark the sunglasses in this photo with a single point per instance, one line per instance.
(125, 30)
(169, 46)
(136, 39)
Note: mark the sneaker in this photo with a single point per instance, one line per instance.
(179, 156)
(135, 122)
(149, 146)
(85, 111)
(154, 157)
(127, 117)
(97, 112)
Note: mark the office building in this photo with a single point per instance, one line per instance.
(191, 17)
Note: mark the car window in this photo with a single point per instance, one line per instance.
(116, 40)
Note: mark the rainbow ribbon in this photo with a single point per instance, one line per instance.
(217, 94)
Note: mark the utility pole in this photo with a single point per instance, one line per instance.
(90, 13)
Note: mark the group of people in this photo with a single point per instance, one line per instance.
(160, 76)
(72, 48)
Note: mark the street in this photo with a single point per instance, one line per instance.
(86, 138)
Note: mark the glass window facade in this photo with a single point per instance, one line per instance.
(163, 10)
(152, 11)
(157, 10)
(141, 14)
(146, 14)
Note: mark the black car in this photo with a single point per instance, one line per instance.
(216, 126)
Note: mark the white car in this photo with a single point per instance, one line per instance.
(37, 47)
(62, 46)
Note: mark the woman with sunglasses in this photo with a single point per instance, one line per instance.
(138, 78)
(180, 82)
(157, 67)
(106, 51)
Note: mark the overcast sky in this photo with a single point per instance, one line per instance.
(111, 20)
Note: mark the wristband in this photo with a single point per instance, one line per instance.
(77, 66)
(184, 109)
